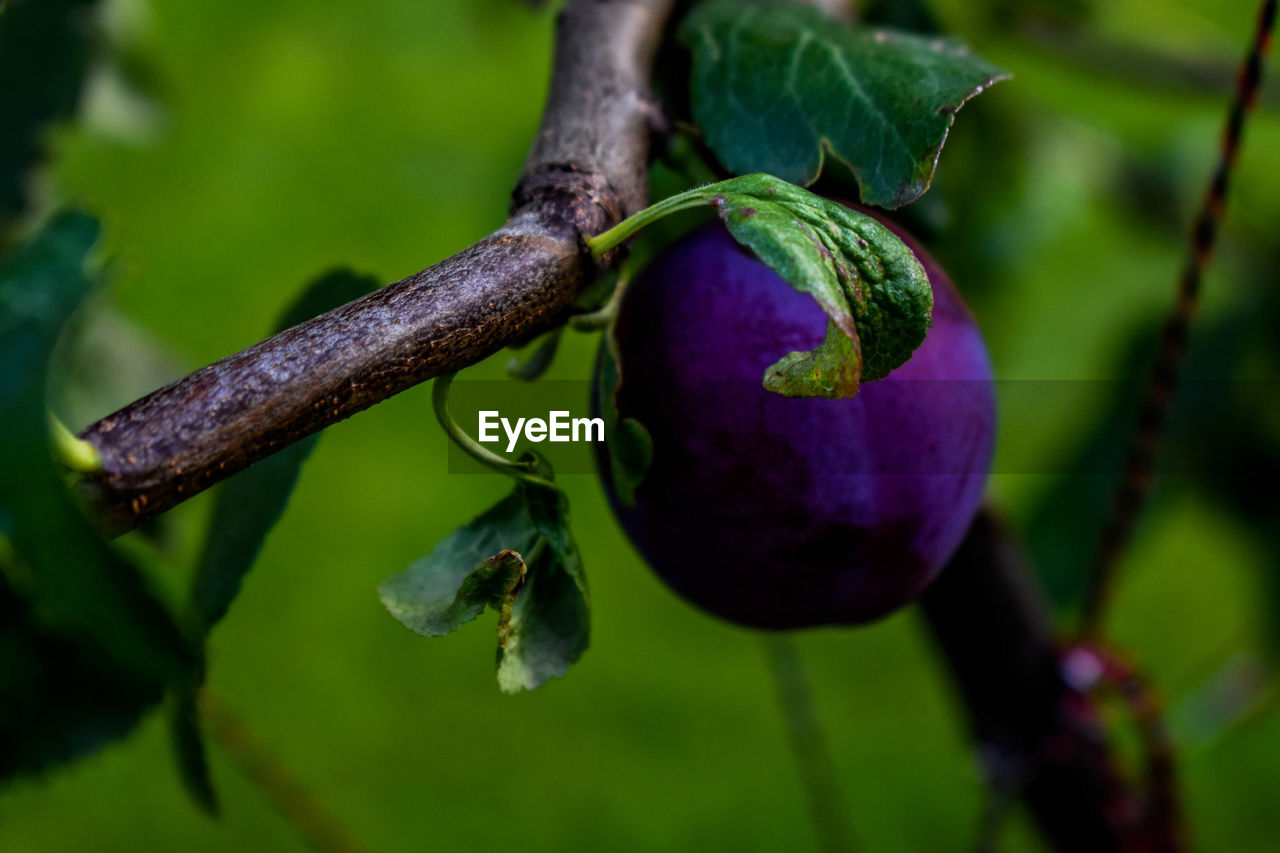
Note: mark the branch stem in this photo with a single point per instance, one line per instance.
(586, 171)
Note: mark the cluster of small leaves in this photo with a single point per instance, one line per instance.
(518, 558)
(777, 87)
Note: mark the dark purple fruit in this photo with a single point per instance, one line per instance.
(779, 512)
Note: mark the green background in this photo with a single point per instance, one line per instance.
(243, 148)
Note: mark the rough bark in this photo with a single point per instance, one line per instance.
(586, 171)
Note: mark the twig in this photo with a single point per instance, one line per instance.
(290, 799)
(1135, 484)
(1036, 734)
(827, 807)
(586, 171)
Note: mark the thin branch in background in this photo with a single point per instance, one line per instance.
(1140, 66)
(809, 745)
(1135, 484)
(1037, 735)
(287, 795)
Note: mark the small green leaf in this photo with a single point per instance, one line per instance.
(518, 558)
(629, 444)
(249, 504)
(549, 628)
(549, 512)
(776, 87)
(452, 585)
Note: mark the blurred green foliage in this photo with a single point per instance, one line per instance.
(270, 142)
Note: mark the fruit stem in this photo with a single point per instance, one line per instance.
(620, 233)
(520, 471)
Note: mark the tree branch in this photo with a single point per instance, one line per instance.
(586, 171)
(1039, 737)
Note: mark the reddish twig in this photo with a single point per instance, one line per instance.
(1135, 484)
(286, 794)
(1149, 817)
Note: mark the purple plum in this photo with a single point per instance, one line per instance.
(777, 512)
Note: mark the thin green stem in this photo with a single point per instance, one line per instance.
(75, 454)
(818, 772)
(623, 231)
(519, 470)
(603, 318)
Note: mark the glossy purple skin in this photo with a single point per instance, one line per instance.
(783, 513)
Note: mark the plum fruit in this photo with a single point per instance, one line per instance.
(778, 512)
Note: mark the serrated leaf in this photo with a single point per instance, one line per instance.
(777, 87)
(88, 647)
(871, 286)
(518, 558)
(452, 585)
(249, 504)
(549, 628)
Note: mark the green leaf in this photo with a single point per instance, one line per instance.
(549, 513)
(777, 87)
(629, 444)
(867, 281)
(246, 508)
(452, 585)
(518, 558)
(549, 628)
(189, 749)
(249, 504)
(870, 285)
(832, 370)
(87, 647)
(61, 697)
(79, 583)
(44, 57)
